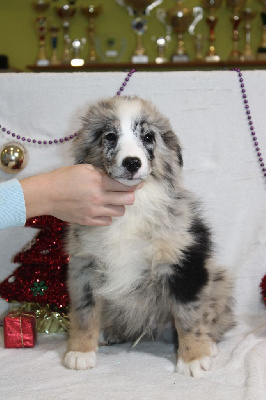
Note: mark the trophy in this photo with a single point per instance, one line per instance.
(181, 20)
(198, 38)
(54, 43)
(261, 54)
(139, 9)
(162, 41)
(41, 22)
(77, 46)
(111, 46)
(248, 16)
(212, 6)
(92, 12)
(66, 12)
(198, 47)
(235, 6)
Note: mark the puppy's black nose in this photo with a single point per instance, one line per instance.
(132, 164)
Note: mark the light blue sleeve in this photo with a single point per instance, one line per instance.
(12, 204)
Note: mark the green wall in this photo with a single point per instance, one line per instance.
(18, 37)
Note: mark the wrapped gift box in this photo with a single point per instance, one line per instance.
(20, 330)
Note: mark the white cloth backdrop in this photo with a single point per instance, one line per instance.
(220, 164)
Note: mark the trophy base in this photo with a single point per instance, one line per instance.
(176, 58)
(234, 56)
(247, 57)
(91, 60)
(55, 62)
(212, 58)
(111, 53)
(140, 59)
(42, 63)
(261, 55)
(160, 60)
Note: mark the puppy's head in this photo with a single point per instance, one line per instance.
(127, 138)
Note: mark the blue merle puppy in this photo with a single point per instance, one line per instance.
(154, 264)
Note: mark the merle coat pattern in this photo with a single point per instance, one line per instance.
(156, 262)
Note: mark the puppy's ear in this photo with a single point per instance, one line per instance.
(171, 141)
(84, 149)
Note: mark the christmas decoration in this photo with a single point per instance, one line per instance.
(19, 330)
(41, 277)
(250, 122)
(48, 319)
(13, 157)
(263, 288)
(34, 141)
(124, 84)
(259, 154)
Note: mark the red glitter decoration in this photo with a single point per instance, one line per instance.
(42, 276)
(263, 288)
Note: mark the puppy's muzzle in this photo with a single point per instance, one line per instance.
(132, 164)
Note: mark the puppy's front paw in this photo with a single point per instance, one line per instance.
(79, 360)
(194, 368)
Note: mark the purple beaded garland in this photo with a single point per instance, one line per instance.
(125, 82)
(24, 139)
(253, 133)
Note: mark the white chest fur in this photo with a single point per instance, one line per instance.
(134, 243)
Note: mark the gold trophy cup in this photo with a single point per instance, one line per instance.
(41, 23)
(66, 12)
(139, 9)
(211, 6)
(182, 20)
(248, 16)
(92, 12)
(161, 44)
(235, 6)
(77, 46)
(54, 29)
(162, 41)
(261, 53)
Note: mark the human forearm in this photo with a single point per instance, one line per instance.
(36, 194)
(78, 194)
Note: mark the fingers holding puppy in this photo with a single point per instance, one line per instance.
(77, 194)
(107, 198)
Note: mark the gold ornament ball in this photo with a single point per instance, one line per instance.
(13, 157)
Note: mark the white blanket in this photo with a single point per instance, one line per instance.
(220, 165)
(145, 372)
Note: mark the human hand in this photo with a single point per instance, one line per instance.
(79, 194)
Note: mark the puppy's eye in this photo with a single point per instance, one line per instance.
(149, 137)
(111, 136)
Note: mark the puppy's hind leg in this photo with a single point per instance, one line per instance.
(85, 317)
(201, 319)
(188, 290)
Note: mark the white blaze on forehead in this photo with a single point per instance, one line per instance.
(129, 145)
(128, 112)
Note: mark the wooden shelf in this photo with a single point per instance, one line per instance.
(169, 66)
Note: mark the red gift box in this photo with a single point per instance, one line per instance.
(20, 330)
